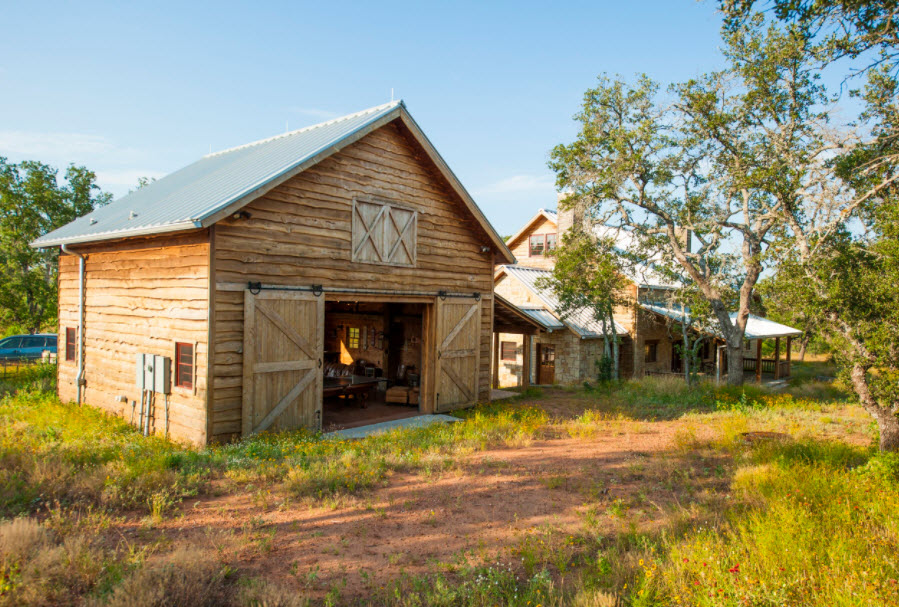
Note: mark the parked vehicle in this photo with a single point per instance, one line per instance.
(27, 347)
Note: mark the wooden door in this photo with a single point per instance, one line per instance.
(458, 352)
(546, 364)
(282, 358)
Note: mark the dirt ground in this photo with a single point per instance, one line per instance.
(482, 510)
(502, 505)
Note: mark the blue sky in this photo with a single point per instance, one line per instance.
(142, 89)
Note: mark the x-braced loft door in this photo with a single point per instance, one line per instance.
(283, 342)
(458, 352)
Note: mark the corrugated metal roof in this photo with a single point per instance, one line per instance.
(580, 321)
(183, 199)
(220, 183)
(756, 326)
(544, 317)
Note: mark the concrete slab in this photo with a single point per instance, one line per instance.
(502, 394)
(419, 421)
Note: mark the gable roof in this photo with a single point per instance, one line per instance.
(756, 326)
(581, 321)
(221, 183)
(641, 274)
(549, 215)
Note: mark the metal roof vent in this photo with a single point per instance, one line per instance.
(93, 220)
(132, 215)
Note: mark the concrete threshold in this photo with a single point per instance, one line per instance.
(419, 421)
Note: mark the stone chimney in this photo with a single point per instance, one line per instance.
(568, 217)
(684, 236)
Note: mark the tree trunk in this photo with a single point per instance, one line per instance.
(734, 363)
(887, 421)
(610, 316)
(802, 346)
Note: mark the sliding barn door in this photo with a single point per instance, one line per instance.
(282, 358)
(458, 352)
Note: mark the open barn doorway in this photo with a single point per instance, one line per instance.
(372, 362)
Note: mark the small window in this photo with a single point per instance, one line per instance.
(509, 351)
(550, 242)
(70, 343)
(184, 365)
(651, 351)
(537, 243)
(352, 338)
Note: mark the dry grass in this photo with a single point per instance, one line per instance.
(188, 576)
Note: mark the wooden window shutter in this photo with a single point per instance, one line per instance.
(384, 233)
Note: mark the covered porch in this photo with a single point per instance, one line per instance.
(776, 365)
(510, 319)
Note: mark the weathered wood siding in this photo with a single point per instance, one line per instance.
(300, 233)
(142, 295)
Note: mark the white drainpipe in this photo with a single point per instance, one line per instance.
(79, 381)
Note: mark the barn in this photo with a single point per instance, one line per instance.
(335, 275)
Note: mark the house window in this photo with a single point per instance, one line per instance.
(651, 351)
(550, 242)
(70, 343)
(539, 244)
(509, 351)
(352, 338)
(184, 365)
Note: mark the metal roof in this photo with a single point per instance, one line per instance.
(537, 317)
(219, 184)
(544, 317)
(581, 321)
(756, 326)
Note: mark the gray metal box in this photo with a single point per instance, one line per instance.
(140, 378)
(154, 372)
(162, 374)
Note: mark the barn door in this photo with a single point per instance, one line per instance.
(458, 352)
(282, 349)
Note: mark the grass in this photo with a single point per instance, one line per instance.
(715, 520)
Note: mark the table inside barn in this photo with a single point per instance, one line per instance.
(356, 387)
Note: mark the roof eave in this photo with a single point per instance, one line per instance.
(142, 231)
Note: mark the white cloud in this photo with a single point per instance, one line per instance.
(117, 167)
(518, 184)
(38, 146)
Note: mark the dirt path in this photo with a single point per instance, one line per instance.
(483, 509)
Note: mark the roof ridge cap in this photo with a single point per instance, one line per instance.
(311, 127)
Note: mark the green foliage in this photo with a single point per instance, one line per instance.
(733, 157)
(816, 534)
(588, 275)
(32, 203)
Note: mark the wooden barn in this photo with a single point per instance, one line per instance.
(327, 277)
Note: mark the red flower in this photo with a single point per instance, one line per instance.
(735, 569)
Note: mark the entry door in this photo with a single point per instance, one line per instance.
(546, 364)
(283, 345)
(458, 352)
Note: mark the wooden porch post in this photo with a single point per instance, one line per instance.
(496, 360)
(789, 355)
(758, 361)
(526, 363)
(776, 358)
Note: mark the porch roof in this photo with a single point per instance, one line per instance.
(756, 326)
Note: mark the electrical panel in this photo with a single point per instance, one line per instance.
(154, 373)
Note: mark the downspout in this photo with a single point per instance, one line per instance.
(79, 380)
